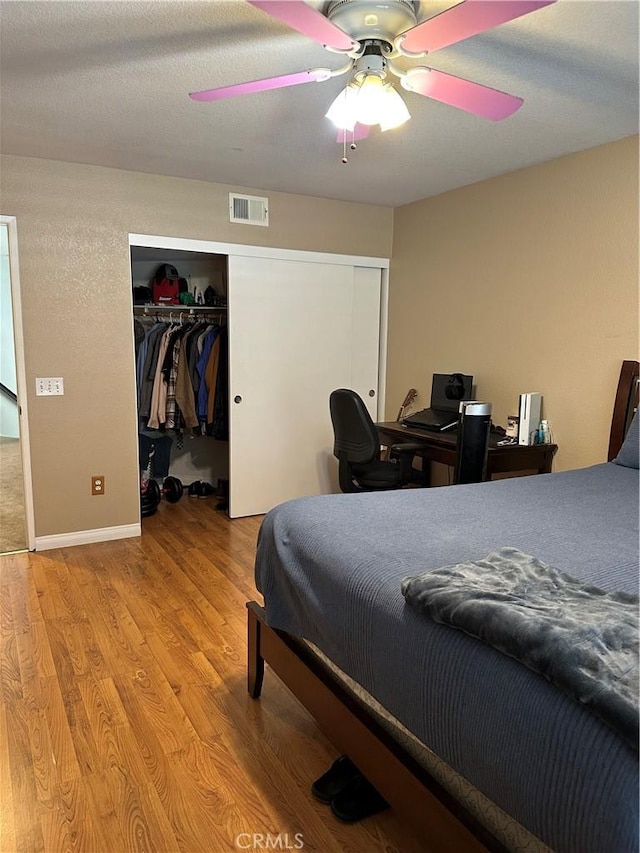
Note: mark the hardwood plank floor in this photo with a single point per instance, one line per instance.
(125, 723)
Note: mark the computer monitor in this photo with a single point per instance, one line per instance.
(448, 389)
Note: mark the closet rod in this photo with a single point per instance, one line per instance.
(167, 312)
(193, 309)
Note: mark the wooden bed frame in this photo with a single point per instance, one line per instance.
(430, 811)
(624, 407)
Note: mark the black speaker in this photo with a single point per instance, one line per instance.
(473, 442)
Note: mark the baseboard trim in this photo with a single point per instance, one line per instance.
(87, 537)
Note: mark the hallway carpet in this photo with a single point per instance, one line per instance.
(12, 521)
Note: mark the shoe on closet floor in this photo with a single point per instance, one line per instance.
(359, 799)
(194, 489)
(337, 777)
(206, 490)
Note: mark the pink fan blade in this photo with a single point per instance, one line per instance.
(464, 20)
(307, 21)
(315, 74)
(360, 131)
(472, 97)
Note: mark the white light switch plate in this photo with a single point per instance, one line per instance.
(49, 386)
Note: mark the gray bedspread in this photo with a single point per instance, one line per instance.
(330, 569)
(581, 638)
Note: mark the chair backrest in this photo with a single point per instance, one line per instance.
(355, 436)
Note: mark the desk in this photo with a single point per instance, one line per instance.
(441, 447)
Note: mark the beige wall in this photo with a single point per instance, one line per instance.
(73, 226)
(528, 281)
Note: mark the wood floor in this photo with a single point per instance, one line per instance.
(125, 724)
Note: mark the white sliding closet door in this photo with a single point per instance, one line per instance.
(297, 330)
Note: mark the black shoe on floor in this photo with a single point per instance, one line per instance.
(358, 800)
(337, 777)
(206, 490)
(194, 489)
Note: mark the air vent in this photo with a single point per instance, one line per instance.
(249, 209)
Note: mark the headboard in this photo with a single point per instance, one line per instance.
(625, 405)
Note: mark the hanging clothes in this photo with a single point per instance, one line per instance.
(201, 367)
(181, 374)
(173, 418)
(185, 399)
(139, 335)
(148, 368)
(159, 391)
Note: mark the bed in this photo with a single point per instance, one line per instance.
(474, 749)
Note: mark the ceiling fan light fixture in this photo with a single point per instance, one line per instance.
(395, 112)
(371, 100)
(342, 111)
(368, 101)
(378, 103)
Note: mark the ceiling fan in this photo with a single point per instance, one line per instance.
(372, 35)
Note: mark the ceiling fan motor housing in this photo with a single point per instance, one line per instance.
(368, 19)
(371, 62)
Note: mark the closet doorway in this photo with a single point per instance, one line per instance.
(299, 325)
(196, 453)
(16, 502)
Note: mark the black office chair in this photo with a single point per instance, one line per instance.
(357, 449)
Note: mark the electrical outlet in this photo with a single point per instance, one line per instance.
(97, 485)
(51, 386)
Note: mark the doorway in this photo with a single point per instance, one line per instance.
(16, 505)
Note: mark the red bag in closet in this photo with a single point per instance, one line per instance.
(165, 286)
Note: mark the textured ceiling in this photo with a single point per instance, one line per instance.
(107, 82)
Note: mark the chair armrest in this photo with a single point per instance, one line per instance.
(406, 447)
(402, 454)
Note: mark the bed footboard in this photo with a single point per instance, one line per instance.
(255, 661)
(431, 811)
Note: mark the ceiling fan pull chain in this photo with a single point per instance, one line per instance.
(352, 144)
